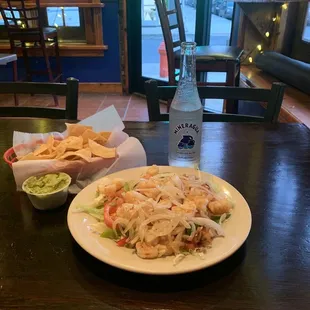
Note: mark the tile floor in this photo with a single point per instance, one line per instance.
(130, 108)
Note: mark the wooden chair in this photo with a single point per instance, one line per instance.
(273, 97)
(69, 89)
(208, 58)
(23, 22)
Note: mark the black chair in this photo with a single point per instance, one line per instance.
(69, 89)
(24, 23)
(273, 97)
(208, 58)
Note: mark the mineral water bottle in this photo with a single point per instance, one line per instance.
(185, 116)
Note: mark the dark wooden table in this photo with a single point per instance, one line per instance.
(41, 266)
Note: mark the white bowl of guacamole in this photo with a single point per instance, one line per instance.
(47, 191)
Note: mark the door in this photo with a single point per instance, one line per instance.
(149, 14)
(301, 45)
(204, 21)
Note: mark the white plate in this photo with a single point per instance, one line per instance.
(237, 228)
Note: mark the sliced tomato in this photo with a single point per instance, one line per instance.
(108, 210)
(122, 242)
(190, 246)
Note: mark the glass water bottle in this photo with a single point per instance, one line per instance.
(185, 116)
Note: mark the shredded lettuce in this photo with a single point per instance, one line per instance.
(129, 186)
(126, 187)
(216, 218)
(109, 234)
(93, 211)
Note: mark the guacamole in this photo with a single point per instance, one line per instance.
(47, 183)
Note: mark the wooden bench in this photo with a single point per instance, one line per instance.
(296, 104)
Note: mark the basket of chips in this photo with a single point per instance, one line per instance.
(80, 143)
(81, 151)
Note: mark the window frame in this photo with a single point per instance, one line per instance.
(92, 13)
(307, 41)
(68, 34)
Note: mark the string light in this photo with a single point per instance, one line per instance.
(56, 25)
(58, 15)
(267, 35)
(19, 22)
(284, 6)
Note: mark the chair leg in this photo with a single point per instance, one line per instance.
(49, 69)
(231, 105)
(172, 82)
(15, 79)
(58, 63)
(237, 79)
(27, 64)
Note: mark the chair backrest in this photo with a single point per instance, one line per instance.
(69, 89)
(273, 97)
(165, 15)
(22, 18)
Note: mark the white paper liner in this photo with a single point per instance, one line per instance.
(130, 153)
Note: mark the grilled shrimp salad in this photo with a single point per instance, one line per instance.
(159, 215)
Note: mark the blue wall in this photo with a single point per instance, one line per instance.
(86, 69)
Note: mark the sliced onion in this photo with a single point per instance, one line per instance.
(222, 218)
(208, 223)
(177, 182)
(139, 196)
(173, 192)
(120, 223)
(193, 232)
(178, 259)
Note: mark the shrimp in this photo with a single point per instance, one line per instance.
(146, 184)
(147, 251)
(219, 207)
(150, 172)
(110, 190)
(133, 197)
(151, 193)
(201, 202)
(188, 208)
(119, 183)
(197, 192)
(126, 210)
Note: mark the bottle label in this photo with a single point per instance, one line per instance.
(186, 139)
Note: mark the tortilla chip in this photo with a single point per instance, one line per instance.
(105, 134)
(47, 156)
(56, 143)
(81, 154)
(60, 150)
(81, 143)
(76, 129)
(101, 151)
(100, 140)
(50, 143)
(29, 156)
(40, 150)
(72, 143)
(89, 134)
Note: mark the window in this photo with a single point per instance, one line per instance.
(306, 32)
(79, 26)
(69, 21)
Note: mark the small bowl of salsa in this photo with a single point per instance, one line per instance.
(47, 191)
